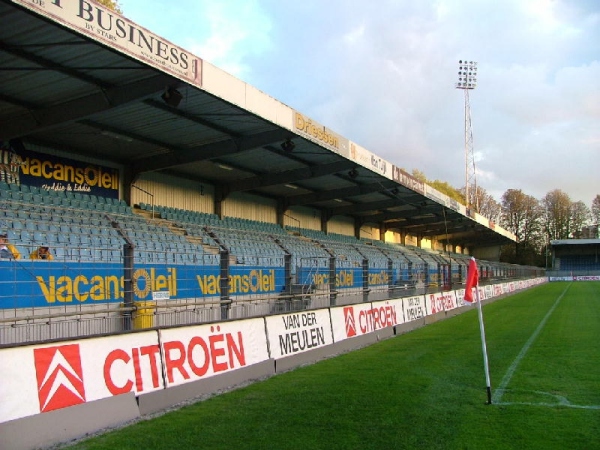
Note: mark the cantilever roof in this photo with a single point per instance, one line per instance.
(64, 86)
(575, 242)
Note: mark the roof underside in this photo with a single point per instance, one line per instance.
(63, 91)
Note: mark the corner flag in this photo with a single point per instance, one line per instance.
(472, 280)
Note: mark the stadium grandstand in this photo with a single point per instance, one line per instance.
(169, 192)
(575, 258)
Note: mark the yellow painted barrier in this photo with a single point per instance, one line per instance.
(143, 316)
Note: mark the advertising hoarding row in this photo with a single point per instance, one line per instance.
(370, 160)
(320, 134)
(33, 283)
(36, 379)
(405, 179)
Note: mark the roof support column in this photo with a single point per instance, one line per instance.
(128, 180)
(325, 216)
(403, 237)
(280, 210)
(357, 226)
(220, 196)
(382, 231)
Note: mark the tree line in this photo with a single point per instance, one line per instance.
(535, 222)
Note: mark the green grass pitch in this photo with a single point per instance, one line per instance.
(423, 390)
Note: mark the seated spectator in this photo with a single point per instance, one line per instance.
(43, 252)
(7, 251)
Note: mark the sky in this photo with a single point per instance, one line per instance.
(382, 73)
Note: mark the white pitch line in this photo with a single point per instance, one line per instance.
(560, 401)
(550, 405)
(511, 370)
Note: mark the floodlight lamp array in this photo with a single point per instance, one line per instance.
(467, 74)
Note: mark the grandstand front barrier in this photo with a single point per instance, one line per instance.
(69, 297)
(115, 270)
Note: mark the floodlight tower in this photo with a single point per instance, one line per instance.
(467, 80)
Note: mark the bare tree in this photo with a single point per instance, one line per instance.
(557, 209)
(580, 217)
(488, 206)
(596, 210)
(521, 215)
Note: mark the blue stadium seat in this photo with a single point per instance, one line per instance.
(24, 250)
(22, 214)
(116, 256)
(84, 239)
(85, 254)
(39, 237)
(170, 257)
(59, 253)
(14, 235)
(95, 241)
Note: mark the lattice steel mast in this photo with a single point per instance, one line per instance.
(467, 80)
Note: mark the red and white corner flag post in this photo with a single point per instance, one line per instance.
(473, 282)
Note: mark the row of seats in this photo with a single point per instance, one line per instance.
(580, 262)
(251, 246)
(60, 224)
(24, 189)
(64, 201)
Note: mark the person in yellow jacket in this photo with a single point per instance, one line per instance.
(8, 251)
(42, 252)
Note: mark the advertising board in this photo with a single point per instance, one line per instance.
(289, 334)
(193, 353)
(356, 320)
(41, 378)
